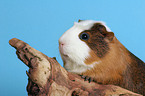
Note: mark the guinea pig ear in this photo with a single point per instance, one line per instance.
(80, 20)
(102, 29)
(109, 36)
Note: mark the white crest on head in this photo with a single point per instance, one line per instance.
(74, 51)
(87, 24)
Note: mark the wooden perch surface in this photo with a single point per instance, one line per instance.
(48, 78)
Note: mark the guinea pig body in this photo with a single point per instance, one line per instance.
(90, 48)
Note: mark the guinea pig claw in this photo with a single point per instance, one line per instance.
(86, 78)
(82, 76)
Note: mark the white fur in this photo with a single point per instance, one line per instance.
(75, 51)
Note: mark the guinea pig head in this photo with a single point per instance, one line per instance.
(82, 46)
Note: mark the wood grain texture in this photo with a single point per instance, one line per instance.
(48, 78)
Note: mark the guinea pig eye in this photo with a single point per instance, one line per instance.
(84, 36)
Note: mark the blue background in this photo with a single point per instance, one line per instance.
(40, 23)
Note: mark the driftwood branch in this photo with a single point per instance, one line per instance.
(48, 78)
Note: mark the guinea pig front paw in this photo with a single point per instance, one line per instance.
(86, 78)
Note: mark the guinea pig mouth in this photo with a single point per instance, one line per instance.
(65, 55)
(62, 53)
(62, 50)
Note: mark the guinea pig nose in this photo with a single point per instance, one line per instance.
(61, 43)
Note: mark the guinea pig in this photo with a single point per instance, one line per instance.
(91, 49)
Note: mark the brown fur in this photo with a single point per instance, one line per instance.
(92, 59)
(117, 65)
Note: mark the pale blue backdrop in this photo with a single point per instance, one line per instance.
(40, 23)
